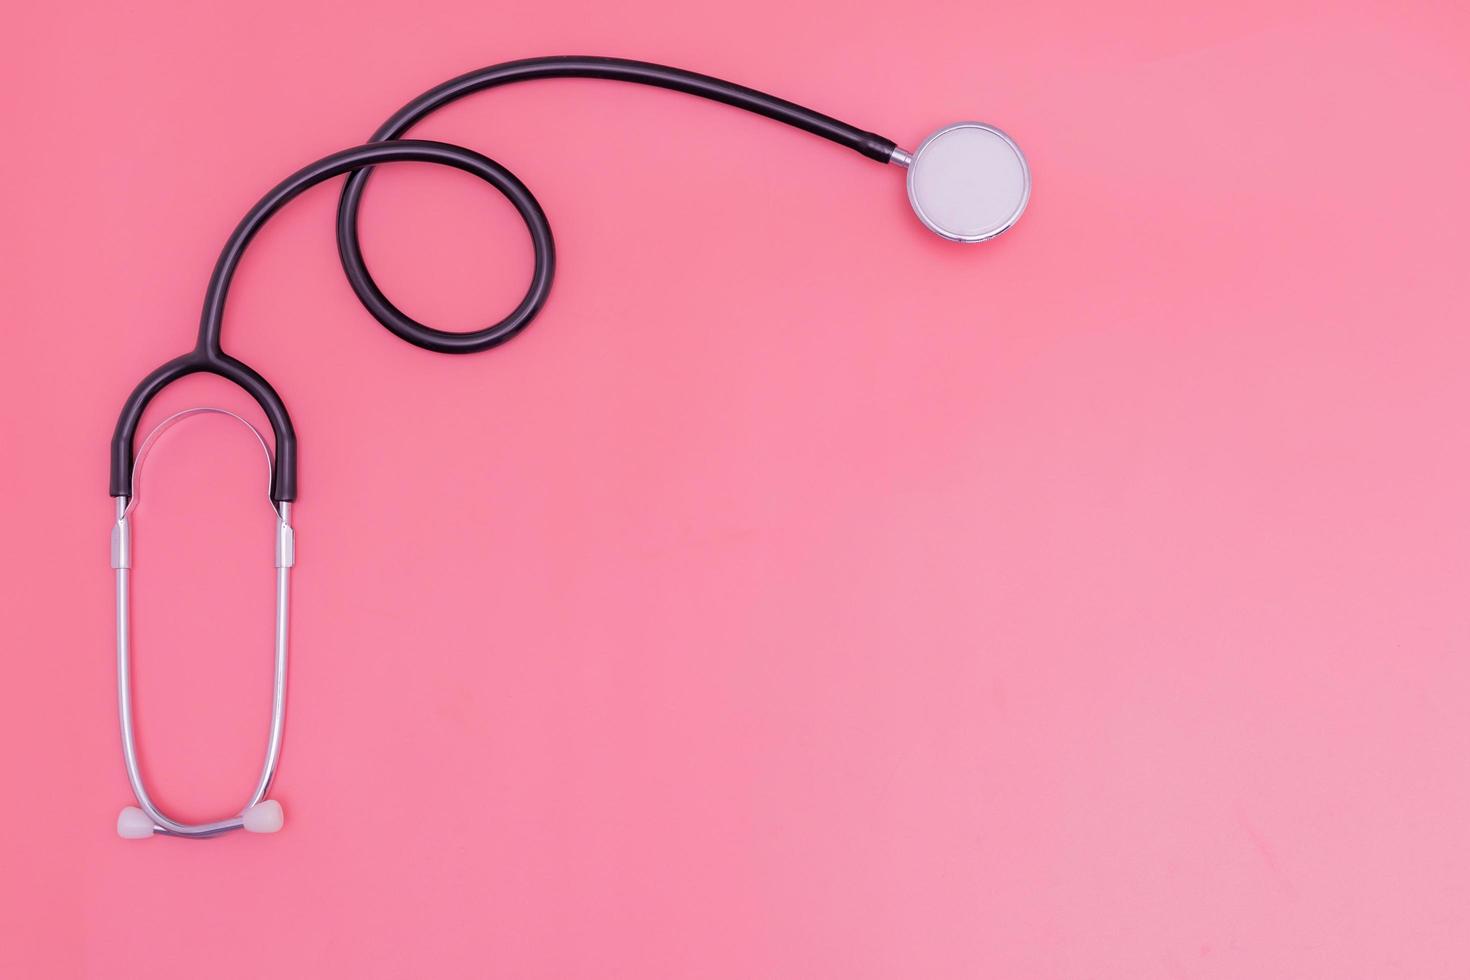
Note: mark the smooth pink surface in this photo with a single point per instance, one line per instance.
(801, 596)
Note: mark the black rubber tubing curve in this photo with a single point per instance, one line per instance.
(388, 146)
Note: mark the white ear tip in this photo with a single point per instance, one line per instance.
(265, 817)
(134, 824)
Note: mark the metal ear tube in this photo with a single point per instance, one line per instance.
(259, 814)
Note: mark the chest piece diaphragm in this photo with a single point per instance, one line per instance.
(968, 182)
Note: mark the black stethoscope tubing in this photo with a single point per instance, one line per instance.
(388, 146)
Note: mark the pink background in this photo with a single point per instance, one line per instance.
(801, 596)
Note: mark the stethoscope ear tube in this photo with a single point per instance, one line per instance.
(259, 814)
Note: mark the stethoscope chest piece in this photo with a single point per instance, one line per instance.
(968, 182)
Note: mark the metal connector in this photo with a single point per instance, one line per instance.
(285, 537)
(122, 538)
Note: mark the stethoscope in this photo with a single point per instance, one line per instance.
(967, 182)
